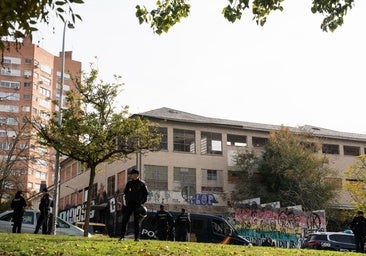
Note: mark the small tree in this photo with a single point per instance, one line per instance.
(92, 132)
(15, 154)
(289, 170)
(355, 185)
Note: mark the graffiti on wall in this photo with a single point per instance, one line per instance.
(173, 197)
(76, 213)
(203, 199)
(284, 220)
(285, 225)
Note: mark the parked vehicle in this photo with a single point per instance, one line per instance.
(204, 228)
(336, 241)
(30, 221)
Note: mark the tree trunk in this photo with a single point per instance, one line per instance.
(88, 201)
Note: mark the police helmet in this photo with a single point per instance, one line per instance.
(141, 212)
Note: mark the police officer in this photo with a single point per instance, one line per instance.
(44, 207)
(135, 194)
(358, 226)
(164, 223)
(182, 226)
(18, 204)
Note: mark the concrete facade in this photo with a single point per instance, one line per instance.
(194, 168)
(29, 84)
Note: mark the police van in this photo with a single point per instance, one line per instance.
(204, 228)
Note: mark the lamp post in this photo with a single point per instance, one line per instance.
(57, 161)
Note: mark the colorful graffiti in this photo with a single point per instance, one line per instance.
(284, 225)
(203, 199)
(175, 197)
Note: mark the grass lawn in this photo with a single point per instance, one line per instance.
(31, 244)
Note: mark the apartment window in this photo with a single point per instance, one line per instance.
(236, 140)
(233, 176)
(41, 175)
(111, 185)
(27, 85)
(351, 150)
(10, 84)
(259, 141)
(26, 108)
(9, 96)
(28, 61)
(211, 143)
(212, 180)
(164, 139)
(184, 178)
(330, 149)
(45, 92)
(184, 140)
(156, 177)
(30, 185)
(8, 120)
(211, 175)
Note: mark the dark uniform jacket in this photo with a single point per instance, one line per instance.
(45, 204)
(18, 204)
(358, 225)
(164, 220)
(135, 192)
(183, 222)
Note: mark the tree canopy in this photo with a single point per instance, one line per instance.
(169, 12)
(355, 185)
(288, 170)
(92, 131)
(19, 18)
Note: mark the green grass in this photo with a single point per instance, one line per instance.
(30, 244)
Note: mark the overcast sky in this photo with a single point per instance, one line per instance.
(287, 72)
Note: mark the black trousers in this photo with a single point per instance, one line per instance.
(181, 234)
(17, 221)
(360, 243)
(42, 221)
(127, 212)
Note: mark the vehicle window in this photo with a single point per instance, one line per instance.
(28, 218)
(342, 238)
(318, 237)
(62, 224)
(7, 217)
(220, 227)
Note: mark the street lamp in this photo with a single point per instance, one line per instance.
(57, 161)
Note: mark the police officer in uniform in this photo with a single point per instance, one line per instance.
(135, 194)
(182, 226)
(45, 207)
(164, 223)
(18, 204)
(358, 226)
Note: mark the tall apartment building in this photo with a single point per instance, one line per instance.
(29, 84)
(194, 168)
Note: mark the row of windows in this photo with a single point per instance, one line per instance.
(211, 143)
(334, 149)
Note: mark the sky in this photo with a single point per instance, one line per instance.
(288, 72)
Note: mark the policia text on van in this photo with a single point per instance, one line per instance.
(204, 228)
